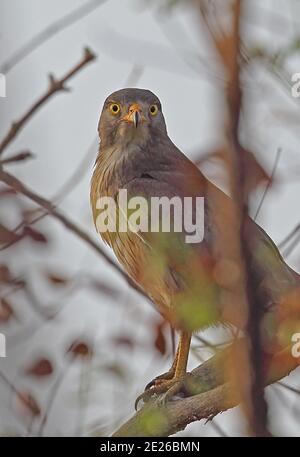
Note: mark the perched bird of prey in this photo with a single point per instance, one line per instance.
(186, 281)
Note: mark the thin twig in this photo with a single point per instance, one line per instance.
(47, 33)
(9, 384)
(19, 157)
(268, 186)
(55, 85)
(218, 428)
(51, 399)
(290, 388)
(289, 249)
(289, 237)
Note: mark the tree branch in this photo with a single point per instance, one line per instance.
(19, 157)
(212, 394)
(249, 378)
(55, 85)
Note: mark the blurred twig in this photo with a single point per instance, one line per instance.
(47, 33)
(19, 157)
(55, 85)
(289, 237)
(290, 388)
(51, 399)
(8, 383)
(268, 186)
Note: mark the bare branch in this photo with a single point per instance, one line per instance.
(55, 85)
(51, 399)
(268, 186)
(211, 395)
(177, 414)
(19, 157)
(9, 384)
(290, 388)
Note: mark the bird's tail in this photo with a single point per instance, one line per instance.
(278, 286)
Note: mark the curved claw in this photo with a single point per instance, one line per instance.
(150, 384)
(167, 387)
(145, 396)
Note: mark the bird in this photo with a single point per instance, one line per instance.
(193, 285)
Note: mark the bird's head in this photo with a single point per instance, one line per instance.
(130, 115)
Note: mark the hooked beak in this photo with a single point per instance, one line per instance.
(136, 118)
(135, 115)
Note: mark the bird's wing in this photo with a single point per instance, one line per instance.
(177, 274)
(275, 278)
(179, 271)
(272, 276)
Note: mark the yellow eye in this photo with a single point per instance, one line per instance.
(153, 110)
(114, 108)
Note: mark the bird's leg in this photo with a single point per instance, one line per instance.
(168, 375)
(170, 383)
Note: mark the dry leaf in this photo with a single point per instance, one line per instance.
(36, 236)
(41, 368)
(6, 311)
(57, 279)
(80, 349)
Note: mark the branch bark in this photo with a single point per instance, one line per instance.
(19, 157)
(249, 374)
(212, 394)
